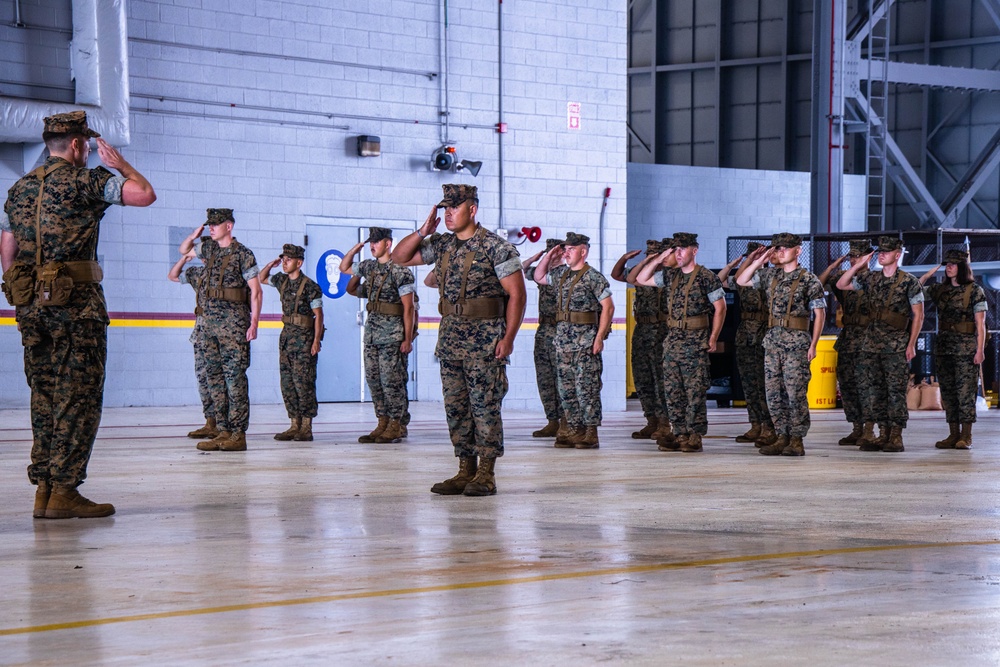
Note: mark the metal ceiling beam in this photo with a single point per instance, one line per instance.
(860, 25)
(973, 179)
(993, 9)
(936, 76)
(973, 205)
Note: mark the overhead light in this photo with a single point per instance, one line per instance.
(369, 146)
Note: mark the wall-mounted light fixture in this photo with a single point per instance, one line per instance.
(446, 159)
(369, 146)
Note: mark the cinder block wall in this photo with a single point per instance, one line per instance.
(274, 138)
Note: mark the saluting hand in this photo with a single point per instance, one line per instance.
(431, 223)
(109, 155)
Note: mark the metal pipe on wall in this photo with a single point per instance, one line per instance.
(501, 223)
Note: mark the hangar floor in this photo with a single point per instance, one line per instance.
(333, 552)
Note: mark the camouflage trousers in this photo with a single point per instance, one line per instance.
(847, 382)
(786, 381)
(959, 380)
(473, 391)
(297, 366)
(200, 372)
(647, 370)
(386, 374)
(579, 373)
(64, 364)
(750, 362)
(883, 379)
(227, 358)
(686, 380)
(545, 371)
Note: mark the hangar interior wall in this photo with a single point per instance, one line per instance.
(256, 105)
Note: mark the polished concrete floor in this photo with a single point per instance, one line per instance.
(335, 553)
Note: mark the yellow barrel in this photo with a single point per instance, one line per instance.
(822, 391)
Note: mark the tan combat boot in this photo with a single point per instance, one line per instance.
(667, 441)
(852, 438)
(291, 432)
(767, 436)
(588, 440)
(456, 485)
(403, 431)
(209, 430)
(868, 442)
(692, 443)
(649, 429)
(662, 427)
(751, 435)
(383, 423)
(564, 433)
(484, 483)
(795, 447)
(236, 442)
(213, 444)
(548, 430)
(775, 448)
(894, 441)
(305, 433)
(391, 433)
(67, 503)
(965, 439)
(949, 442)
(42, 494)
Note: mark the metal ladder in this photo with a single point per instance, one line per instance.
(876, 165)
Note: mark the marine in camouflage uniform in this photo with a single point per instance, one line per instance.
(481, 286)
(696, 307)
(191, 276)
(54, 214)
(544, 352)
(896, 314)
(854, 318)
(959, 346)
(584, 310)
(300, 340)
(390, 290)
(230, 296)
(750, 351)
(792, 295)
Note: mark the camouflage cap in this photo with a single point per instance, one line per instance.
(785, 240)
(955, 256)
(217, 216)
(860, 247)
(376, 234)
(685, 240)
(668, 243)
(455, 194)
(74, 122)
(889, 243)
(292, 251)
(552, 243)
(572, 238)
(654, 247)
(753, 245)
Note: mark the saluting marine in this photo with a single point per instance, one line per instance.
(544, 345)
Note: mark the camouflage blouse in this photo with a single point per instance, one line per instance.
(390, 282)
(646, 301)
(190, 277)
(950, 300)
(546, 300)
(706, 290)
(74, 202)
(585, 296)
(781, 301)
(231, 316)
(753, 311)
(495, 259)
(878, 291)
(852, 304)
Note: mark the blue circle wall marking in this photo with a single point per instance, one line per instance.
(328, 275)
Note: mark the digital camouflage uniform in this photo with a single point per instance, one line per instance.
(65, 347)
(786, 349)
(686, 373)
(191, 276)
(385, 365)
(545, 352)
(473, 380)
(647, 352)
(227, 351)
(578, 369)
(854, 314)
(750, 350)
(883, 372)
(954, 350)
(296, 362)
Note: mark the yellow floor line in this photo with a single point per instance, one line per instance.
(320, 599)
